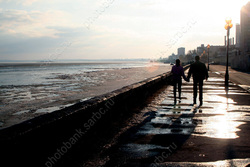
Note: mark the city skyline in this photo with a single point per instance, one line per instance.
(110, 29)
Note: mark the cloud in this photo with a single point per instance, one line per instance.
(33, 23)
(28, 2)
(69, 41)
(125, 28)
(23, 2)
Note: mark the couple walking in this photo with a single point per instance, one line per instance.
(199, 72)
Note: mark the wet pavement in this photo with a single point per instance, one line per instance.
(183, 134)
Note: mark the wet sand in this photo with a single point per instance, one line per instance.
(20, 103)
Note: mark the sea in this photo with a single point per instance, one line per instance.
(29, 89)
(31, 73)
(22, 82)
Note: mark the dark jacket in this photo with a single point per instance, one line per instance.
(198, 70)
(178, 72)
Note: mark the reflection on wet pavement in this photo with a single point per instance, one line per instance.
(218, 118)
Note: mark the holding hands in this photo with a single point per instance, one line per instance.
(186, 79)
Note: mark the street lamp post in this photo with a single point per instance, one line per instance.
(227, 27)
(208, 47)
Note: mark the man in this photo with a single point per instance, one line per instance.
(199, 72)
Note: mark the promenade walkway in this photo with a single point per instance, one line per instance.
(240, 78)
(215, 134)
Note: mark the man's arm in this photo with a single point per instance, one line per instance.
(183, 74)
(190, 72)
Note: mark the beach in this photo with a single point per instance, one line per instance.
(52, 91)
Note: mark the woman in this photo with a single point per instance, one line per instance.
(178, 72)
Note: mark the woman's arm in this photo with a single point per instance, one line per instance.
(183, 75)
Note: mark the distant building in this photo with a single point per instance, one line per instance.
(201, 49)
(172, 58)
(181, 51)
(237, 35)
(231, 41)
(242, 60)
(217, 53)
(245, 28)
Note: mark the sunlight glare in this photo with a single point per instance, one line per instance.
(152, 67)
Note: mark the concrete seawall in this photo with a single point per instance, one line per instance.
(38, 138)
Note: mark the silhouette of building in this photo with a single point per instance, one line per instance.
(217, 53)
(201, 49)
(173, 57)
(237, 35)
(241, 59)
(245, 29)
(231, 41)
(181, 51)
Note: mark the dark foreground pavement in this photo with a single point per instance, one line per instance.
(216, 134)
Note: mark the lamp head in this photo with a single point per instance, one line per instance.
(226, 26)
(230, 25)
(228, 20)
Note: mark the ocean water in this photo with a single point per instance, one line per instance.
(16, 74)
(34, 88)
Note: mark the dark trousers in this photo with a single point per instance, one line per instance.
(200, 83)
(179, 83)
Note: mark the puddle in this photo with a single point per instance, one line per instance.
(168, 125)
(222, 126)
(164, 131)
(164, 112)
(142, 150)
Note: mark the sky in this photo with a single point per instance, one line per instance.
(111, 29)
